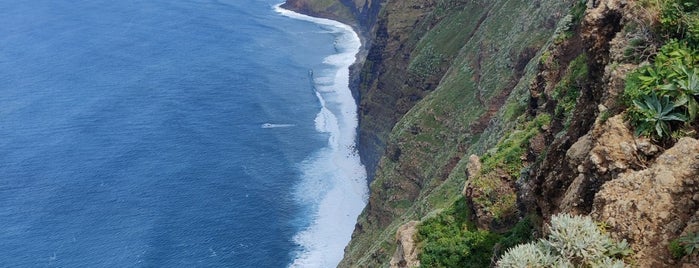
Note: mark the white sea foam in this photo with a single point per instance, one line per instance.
(270, 125)
(334, 180)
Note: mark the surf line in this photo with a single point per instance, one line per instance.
(337, 167)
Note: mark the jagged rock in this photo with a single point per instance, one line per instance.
(600, 25)
(614, 149)
(607, 150)
(573, 196)
(652, 206)
(472, 169)
(615, 78)
(646, 147)
(579, 151)
(406, 254)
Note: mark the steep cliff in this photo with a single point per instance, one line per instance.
(361, 14)
(483, 119)
(448, 78)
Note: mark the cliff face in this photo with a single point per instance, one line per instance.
(361, 14)
(510, 112)
(443, 80)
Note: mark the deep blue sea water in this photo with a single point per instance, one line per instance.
(171, 134)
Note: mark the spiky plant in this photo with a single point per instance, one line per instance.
(654, 114)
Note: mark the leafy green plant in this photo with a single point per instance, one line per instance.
(450, 240)
(690, 243)
(573, 241)
(676, 249)
(685, 88)
(680, 19)
(665, 91)
(656, 114)
(521, 233)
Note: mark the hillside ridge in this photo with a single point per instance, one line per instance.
(480, 121)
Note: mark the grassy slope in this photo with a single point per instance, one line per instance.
(479, 95)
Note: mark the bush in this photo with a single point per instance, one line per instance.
(680, 19)
(665, 94)
(507, 154)
(450, 240)
(573, 241)
(522, 232)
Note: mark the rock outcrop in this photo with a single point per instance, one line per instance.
(651, 206)
(600, 156)
(406, 251)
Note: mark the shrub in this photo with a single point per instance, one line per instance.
(665, 91)
(568, 90)
(522, 232)
(573, 241)
(507, 154)
(684, 245)
(680, 19)
(450, 240)
(529, 255)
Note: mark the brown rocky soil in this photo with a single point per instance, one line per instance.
(406, 255)
(650, 207)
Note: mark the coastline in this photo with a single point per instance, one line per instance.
(352, 22)
(337, 168)
(364, 32)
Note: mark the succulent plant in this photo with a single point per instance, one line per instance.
(573, 241)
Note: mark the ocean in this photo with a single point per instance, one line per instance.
(175, 134)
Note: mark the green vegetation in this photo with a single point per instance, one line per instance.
(684, 245)
(656, 115)
(449, 239)
(507, 154)
(571, 22)
(578, 11)
(663, 97)
(680, 19)
(573, 241)
(427, 63)
(676, 249)
(506, 157)
(568, 90)
(522, 232)
(478, 67)
(690, 243)
(665, 94)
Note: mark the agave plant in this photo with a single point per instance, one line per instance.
(690, 243)
(685, 89)
(656, 114)
(690, 90)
